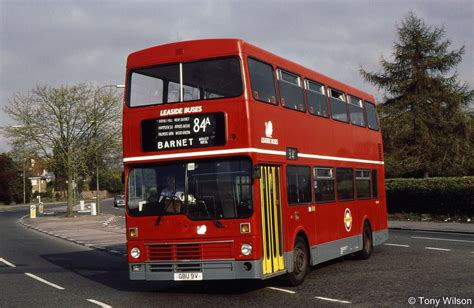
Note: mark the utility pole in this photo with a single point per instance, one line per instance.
(24, 183)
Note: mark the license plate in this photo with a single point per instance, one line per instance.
(187, 276)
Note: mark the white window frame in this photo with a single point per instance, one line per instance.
(362, 177)
(331, 173)
(279, 72)
(359, 105)
(307, 82)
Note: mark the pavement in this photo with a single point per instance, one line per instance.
(106, 232)
(453, 227)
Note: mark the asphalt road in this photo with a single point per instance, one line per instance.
(426, 266)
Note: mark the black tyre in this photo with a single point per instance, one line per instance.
(300, 263)
(367, 243)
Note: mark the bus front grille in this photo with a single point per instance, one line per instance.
(189, 251)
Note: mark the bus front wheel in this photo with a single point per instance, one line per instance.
(300, 263)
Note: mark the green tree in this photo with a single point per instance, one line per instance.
(22, 156)
(426, 128)
(11, 183)
(68, 125)
(110, 179)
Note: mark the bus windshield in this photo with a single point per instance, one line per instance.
(200, 190)
(180, 82)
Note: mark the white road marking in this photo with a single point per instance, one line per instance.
(332, 300)
(282, 290)
(440, 249)
(7, 263)
(44, 281)
(441, 239)
(396, 245)
(99, 303)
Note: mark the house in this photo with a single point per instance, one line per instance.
(40, 177)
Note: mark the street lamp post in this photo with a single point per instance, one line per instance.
(117, 86)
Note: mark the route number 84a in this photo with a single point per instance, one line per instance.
(201, 124)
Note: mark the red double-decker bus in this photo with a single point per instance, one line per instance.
(240, 164)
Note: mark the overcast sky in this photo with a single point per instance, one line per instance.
(69, 42)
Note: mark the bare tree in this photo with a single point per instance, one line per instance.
(71, 126)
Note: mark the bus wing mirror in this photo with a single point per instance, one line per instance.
(256, 172)
(123, 177)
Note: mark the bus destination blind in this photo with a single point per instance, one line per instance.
(193, 131)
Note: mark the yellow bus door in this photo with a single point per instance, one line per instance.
(272, 236)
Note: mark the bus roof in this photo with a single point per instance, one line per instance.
(210, 48)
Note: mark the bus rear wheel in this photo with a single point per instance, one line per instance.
(367, 243)
(300, 263)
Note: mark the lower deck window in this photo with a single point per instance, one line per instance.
(298, 179)
(345, 184)
(362, 184)
(201, 190)
(375, 183)
(323, 184)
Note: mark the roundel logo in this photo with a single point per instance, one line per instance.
(348, 220)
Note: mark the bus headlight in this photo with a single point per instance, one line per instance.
(135, 253)
(246, 249)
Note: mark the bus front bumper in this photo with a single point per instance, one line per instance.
(210, 270)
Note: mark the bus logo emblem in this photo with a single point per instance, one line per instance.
(348, 220)
(201, 230)
(268, 134)
(268, 129)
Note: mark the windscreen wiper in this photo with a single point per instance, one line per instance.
(218, 224)
(158, 220)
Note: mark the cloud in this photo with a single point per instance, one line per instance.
(67, 42)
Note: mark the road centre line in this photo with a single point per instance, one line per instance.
(282, 290)
(44, 281)
(99, 303)
(440, 249)
(7, 263)
(396, 245)
(441, 239)
(332, 300)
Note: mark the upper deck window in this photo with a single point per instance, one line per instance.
(317, 99)
(356, 110)
(338, 105)
(156, 85)
(371, 116)
(200, 80)
(263, 82)
(291, 90)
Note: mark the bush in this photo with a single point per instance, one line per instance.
(442, 196)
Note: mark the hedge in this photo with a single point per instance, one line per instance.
(442, 196)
